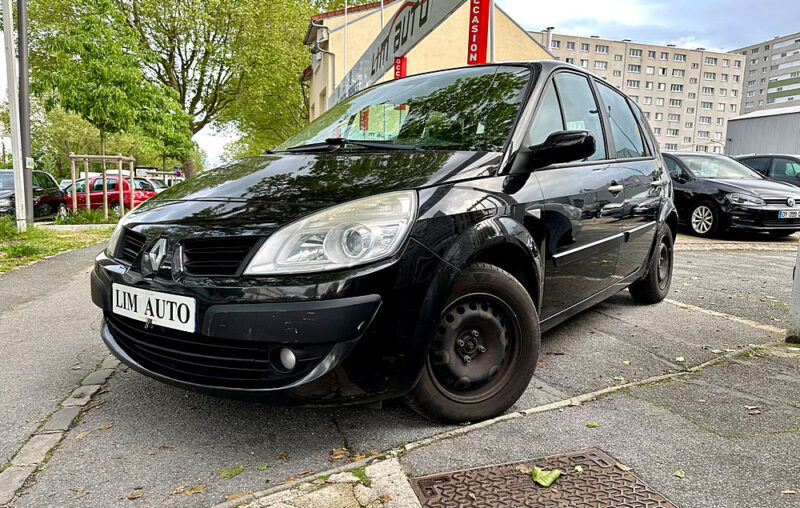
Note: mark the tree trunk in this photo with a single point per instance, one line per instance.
(102, 141)
(189, 170)
(163, 163)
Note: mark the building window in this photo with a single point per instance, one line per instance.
(635, 52)
(754, 51)
(671, 146)
(632, 83)
(651, 54)
(723, 92)
(737, 63)
(695, 65)
(659, 101)
(672, 117)
(707, 90)
(692, 81)
(751, 93)
(678, 73)
(726, 62)
(584, 46)
(599, 48)
(705, 105)
(570, 60)
(748, 104)
(617, 58)
(687, 139)
(723, 77)
(761, 101)
(570, 45)
(648, 100)
(585, 64)
(733, 108)
(617, 73)
(704, 119)
(721, 106)
(657, 131)
(752, 72)
(650, 70)
(648, 85)
(555, 44)
(752, 82)
(634, 68)
(717, 135)
(701, 148)
(601, 65)
(680, 57)
(692, 95)
(710, 75)
(710, 60)
(662, 86)
(675, 103)
(688, 125)
(647, 115)
(720, 121)
(664, 55)
(690, 110)
(673, 133)
(702, 134)
(659, 116)
(634, 98)
(735, 79)
(676, 88)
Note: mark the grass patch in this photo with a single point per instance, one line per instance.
(19, 249)
(84, 216)
(361, 474)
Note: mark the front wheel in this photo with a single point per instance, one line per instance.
(483, 350)
(704, 218)
(655, 285)
(62, 211)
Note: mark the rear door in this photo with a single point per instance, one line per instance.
(639, 170)
(784, 170)
(582, 199)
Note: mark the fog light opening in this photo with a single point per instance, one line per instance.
(287, 358)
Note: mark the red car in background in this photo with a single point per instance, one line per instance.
(142, 191)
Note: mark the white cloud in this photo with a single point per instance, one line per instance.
(538, 14)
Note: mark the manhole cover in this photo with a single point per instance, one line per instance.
(600, 484)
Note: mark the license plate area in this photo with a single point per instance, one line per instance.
(789, 214)
(163, 309)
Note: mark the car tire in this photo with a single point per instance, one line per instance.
(491, 319)
(115, 208)
(704, 218)
(62, 212)
(654, 287)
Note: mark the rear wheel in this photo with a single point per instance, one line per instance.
(483, 351)
(654, 287)
(62, 211)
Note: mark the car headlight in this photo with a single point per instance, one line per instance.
(346, 235)
(5, 202)
(111, 248)
(744, 199)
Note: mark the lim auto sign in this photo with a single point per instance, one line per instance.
(478, 31)
(414, 20)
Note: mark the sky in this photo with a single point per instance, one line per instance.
(711, 24)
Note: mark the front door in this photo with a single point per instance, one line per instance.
(583, 200)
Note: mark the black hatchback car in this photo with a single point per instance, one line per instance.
(715, 193)
(49, 200)
(414, 239)
(781, 167)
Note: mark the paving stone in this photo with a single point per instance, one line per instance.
(81, 396)
(98, 377)
(11, 480)
(61, 419)
(36, 448)
(339, 495)
(345, 477)
(110, 362)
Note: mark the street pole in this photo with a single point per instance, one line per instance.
(13, 114)
(793, 330)
(25, 107)
(491, 31)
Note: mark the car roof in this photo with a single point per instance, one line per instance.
(767, 155)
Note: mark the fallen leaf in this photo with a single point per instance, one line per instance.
(304, 472)
(544, 477)
(194, 406)
(339, 453)
(754, 412)
(373, 452)
(579, 469)
(750, 408)
(138, 487)
(231, 497)
(134, 495)
(164, 448)
(679, 473)
(290, 480)
(716, 351)
(177, 490)
(789, 492)
(592, 425)
(281, 456)
(472, 496)
(76, 367)
(626, 362)
(78, 489)
(574, 402)
(695, 278)
(195, 490)
(357, 457)
(263, 467)
(106, 426)
(226, 473)
(83, 434)
(622, 467)
(680, 359)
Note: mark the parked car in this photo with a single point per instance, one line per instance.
(415, 239)
(143, 190)
(783, 168)
(714, 193)
(48, 199)
(63, 184)
(158, 185)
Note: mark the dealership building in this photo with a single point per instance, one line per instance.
(379, 41)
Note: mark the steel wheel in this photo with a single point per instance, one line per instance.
(475, 348)
(664, 267)
(702, 219)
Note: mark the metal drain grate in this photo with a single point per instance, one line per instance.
(600, 484)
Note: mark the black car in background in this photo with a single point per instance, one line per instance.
(49, 200)
(414, 239)
(781, 167)
(716, 193)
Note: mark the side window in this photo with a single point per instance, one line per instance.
(628, 141)
(144, 185)
(784, 169)
(675, 169)
(760, 164)
(38, 181)
(97, 185)
(580, 109)
(548, 117)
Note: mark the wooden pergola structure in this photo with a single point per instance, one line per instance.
(119, 159)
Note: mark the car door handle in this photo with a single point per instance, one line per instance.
(615, 188)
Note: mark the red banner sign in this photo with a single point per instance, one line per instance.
(478, 31)
(363, 119)
(399, 67)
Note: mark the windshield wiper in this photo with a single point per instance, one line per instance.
(337, 143)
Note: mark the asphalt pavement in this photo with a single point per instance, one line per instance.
(144, 442)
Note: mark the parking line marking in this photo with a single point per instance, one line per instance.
(729, 317)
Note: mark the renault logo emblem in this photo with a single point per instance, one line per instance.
(156, 254)
(790, 201)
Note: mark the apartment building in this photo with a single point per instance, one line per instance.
(771, 73)
(688, 95)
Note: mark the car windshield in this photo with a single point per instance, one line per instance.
(465, 109)
(717, 166)
(158, 184)
(6, 180)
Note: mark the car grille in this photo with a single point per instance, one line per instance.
(780, 222)
(130, 245)
(209, 361)
(216, 256)
(779, 201)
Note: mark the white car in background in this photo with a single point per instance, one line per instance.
(158, 184)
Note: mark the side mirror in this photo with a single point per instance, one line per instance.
(563, 146)
(674, 175)
(36, 188)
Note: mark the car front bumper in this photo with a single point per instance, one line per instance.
(760, 219)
